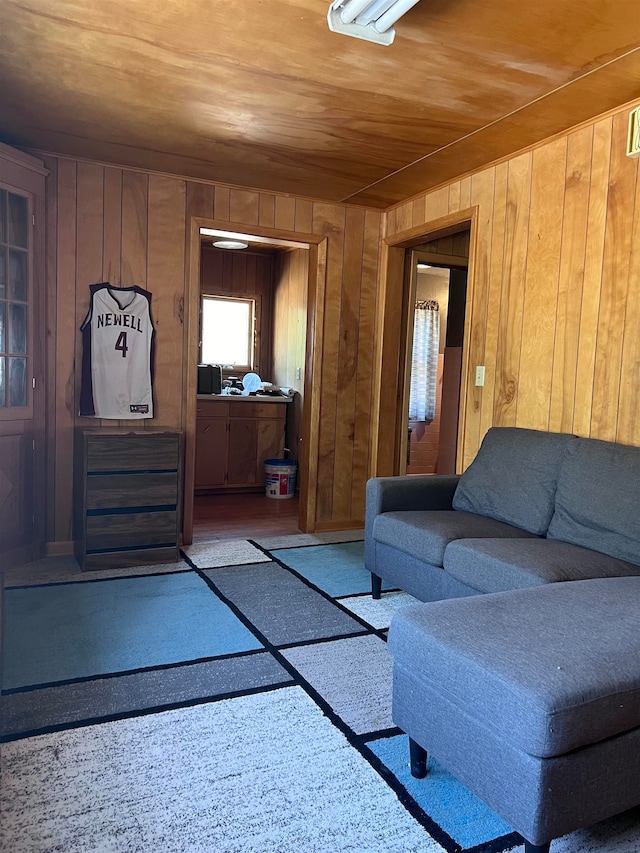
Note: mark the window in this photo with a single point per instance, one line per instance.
(228, 332)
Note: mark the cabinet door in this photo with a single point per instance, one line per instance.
(270, 443)
(22, 444)
(243, 442)
(211, 452)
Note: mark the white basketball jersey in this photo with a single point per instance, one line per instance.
(117, 337)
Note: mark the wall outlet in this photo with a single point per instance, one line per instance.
(298, 373)
(480, 376)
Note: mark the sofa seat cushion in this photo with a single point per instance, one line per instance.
(424, 534)
(546, 669)
(598, 498)
(494, 565)
(513, 477)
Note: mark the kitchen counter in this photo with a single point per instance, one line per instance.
(238, 398)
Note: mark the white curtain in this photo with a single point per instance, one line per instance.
(424, 361)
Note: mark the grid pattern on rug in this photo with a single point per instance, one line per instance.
(231, 623)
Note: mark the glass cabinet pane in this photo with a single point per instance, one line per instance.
(3, 326)
(17, 275)
(17, 381)
(3, 272)
(18, 329)
(3, 216)
(2, 382)
(17, 229)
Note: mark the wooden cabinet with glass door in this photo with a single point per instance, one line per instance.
(21, 362)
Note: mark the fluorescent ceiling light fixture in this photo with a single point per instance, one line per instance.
(371, 20)
(252, 238)
(424, 266)
(230, 244)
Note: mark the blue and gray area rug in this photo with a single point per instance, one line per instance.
(235, 702)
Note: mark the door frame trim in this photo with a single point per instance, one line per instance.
(316, 286)
(392, 323)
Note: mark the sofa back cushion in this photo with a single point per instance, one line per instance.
(513, 478)
(598, 498)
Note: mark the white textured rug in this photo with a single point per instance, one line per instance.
(206, 778)
(378, 612)
(226, 552)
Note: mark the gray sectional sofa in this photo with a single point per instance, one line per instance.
(533, 508)
(525, 682)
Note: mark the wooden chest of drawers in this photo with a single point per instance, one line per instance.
(126, 496)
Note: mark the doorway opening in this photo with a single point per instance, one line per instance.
(239, 429)
(436, 284)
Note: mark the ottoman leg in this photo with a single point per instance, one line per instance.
(536, 848)
(376, 586)
(418, 758)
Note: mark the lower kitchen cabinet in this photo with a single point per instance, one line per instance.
(233, 440)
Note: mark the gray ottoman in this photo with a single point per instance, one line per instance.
(531, 698)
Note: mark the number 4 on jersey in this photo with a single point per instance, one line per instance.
(121, 344)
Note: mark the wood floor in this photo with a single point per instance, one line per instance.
(243, 517)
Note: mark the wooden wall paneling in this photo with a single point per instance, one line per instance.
(239, 270)
(594, 254)
(304, 215)
(418, 212)
(285, 212)
(629, 406)
(388, 360)
(461, 240)
(515, 256)
(199, 206)
(267, 210)
(329, 220)
(165, 280)
(454, 197)
(112, 233)
(51, 263)
(494, 296)
(541, 288)
(89, 251)
(482, 191)
(404, 216)
(445, 245)
(66, 331)
(211, 270)
(200, 199)
(347, 363)
(437, 203)
(364, 371)
(135, 187)
(279, 319)
(244, 206)
(221, 204)
(465, 194)
(571, 279)
(390, 222)
(264, 281)
(135, 236)
(308, 451)
(227, 272)
(615, 281)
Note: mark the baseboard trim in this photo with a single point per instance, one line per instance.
(339, 524)
(60, 549)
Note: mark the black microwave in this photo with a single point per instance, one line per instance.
(209, 379)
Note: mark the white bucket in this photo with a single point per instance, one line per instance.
(280, 478)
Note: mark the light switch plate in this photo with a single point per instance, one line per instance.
(480, 376)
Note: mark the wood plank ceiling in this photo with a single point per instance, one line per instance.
(259, 93)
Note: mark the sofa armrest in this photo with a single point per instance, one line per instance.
(389, 494)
